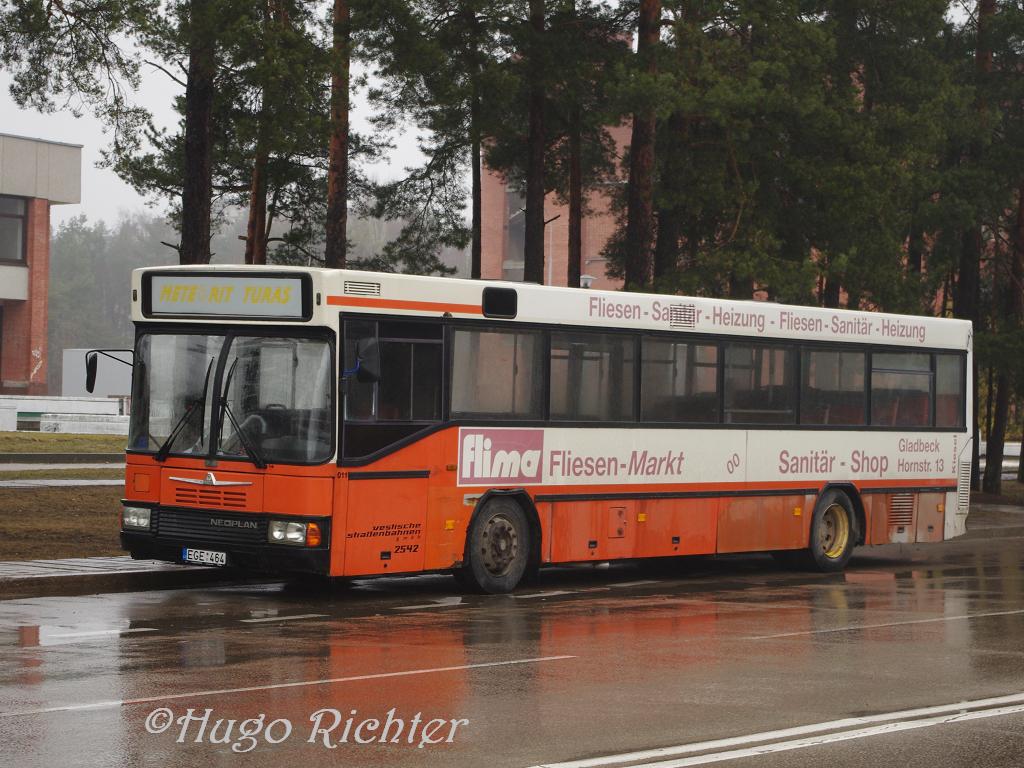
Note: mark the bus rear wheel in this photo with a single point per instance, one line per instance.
(833, 532)
(497, 547)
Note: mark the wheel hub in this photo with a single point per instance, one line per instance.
(834, 532)
(499, 545)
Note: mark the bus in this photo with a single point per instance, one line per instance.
(351, 424)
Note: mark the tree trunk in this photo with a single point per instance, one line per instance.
(966, 302)
(575, 267)
(915, 247)
(993, 482)
(830, 296)
(967, 298)
(256, 230)
(476, 255)
(337, 165)
(196, 190)
(740, 288)
(640, 196)
(666, 245)
(533, 268)
(475, 153)
(669, 220)
(1016, 286)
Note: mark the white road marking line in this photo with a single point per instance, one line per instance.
(284, 618)
(442, 602)
(552, 593)
(278, 686)
(801, 730)
(95, 633)
(642, 583)
(878, 730)
(855, 627)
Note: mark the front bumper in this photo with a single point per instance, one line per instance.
(173, 529)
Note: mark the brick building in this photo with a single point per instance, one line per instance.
(502, 235)
(34, 175)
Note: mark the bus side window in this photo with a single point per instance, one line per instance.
(592, 376)
(760, 386)
(901, 389)
(833, 388)
(679, 382)
(359, 396)
(497, 373)
(406, 395)
(949, 390)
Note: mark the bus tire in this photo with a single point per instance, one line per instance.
(833, 532)
(497, 547)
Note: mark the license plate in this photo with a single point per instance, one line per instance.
(203, 556)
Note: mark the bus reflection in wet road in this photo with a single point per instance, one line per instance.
(591, 662)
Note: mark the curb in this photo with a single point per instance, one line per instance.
(61, 458)
(132, 581)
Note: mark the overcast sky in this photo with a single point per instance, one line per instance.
(104, 195)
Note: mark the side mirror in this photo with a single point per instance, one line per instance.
(368, 357)
(91, 361)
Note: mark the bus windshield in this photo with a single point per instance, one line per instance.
(275, 397)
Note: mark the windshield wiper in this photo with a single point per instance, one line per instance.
(225, 409)
(196, 405)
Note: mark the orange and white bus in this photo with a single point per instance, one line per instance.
(352, 423)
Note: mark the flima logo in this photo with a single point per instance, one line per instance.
(500, 456)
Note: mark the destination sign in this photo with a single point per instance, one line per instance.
(230, 296)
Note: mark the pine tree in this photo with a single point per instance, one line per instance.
(75, 54)
(585, 46)
(534, 52)
(592, 42)
(265, 133)
(437, 66)
(639, 241)
(338, 162)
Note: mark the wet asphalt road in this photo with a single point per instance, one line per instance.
(599, 666)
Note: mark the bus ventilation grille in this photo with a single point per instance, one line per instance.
(901, 509)
(963, 487)
(361, 288)
(682, 315)
(210, 497)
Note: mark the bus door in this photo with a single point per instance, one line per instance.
(392, 390)
(386, 519)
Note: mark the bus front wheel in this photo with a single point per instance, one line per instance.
(497, 547)
(833, 532)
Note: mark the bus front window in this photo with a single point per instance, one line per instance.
(277, 393)
(173, 392)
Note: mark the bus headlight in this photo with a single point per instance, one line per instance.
(136, 518)
(299, 534)
(284, 532)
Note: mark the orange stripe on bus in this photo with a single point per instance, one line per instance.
(421, 306)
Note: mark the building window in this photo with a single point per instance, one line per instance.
(515, 237)
(12, 228)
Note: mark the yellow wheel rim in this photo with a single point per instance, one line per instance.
(834, 532)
